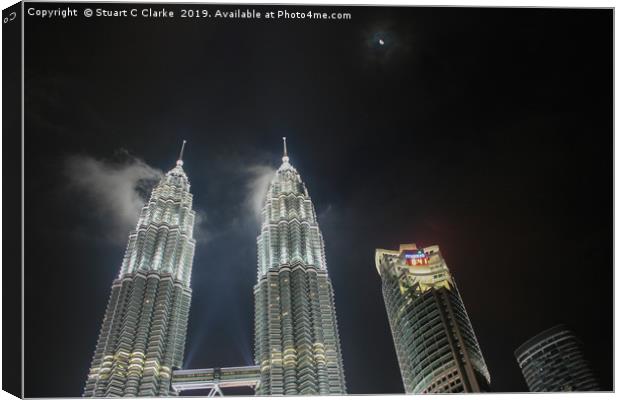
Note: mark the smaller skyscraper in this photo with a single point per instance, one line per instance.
(435, 343)
(553, 361)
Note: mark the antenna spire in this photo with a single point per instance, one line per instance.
(180, 160)
(285, 157)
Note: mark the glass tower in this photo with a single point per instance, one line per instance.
(554, 361)
(143, 332)
(435, 343)
(296, 333)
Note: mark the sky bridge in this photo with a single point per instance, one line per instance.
(215, 379)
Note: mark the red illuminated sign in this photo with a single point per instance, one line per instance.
(416, 258)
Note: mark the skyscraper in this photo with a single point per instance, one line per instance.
(296, 333)
(142, 336)
(435, 343)
(553, 361)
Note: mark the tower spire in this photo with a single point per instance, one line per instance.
(285, 157)
(180, 160)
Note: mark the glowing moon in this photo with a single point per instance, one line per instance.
(381, 42)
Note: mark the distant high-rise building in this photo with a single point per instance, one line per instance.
(297, 345)
(142, 337)
(553, 361)
(435, 343)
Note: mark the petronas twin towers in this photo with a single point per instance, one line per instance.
(142, 338)
(296, 334)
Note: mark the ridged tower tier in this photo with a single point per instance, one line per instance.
(143, 333)
(297, 345)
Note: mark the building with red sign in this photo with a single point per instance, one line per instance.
(435, 343)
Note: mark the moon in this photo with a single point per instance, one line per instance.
(381, 42)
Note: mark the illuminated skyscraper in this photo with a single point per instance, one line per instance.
(143, 333)
(435, 343)
(296, 334)
(553, 361)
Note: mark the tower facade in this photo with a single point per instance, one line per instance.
(143, 332)
(297, 345)
(554, 361)
(435, 343)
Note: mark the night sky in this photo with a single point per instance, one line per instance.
(485, 131)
